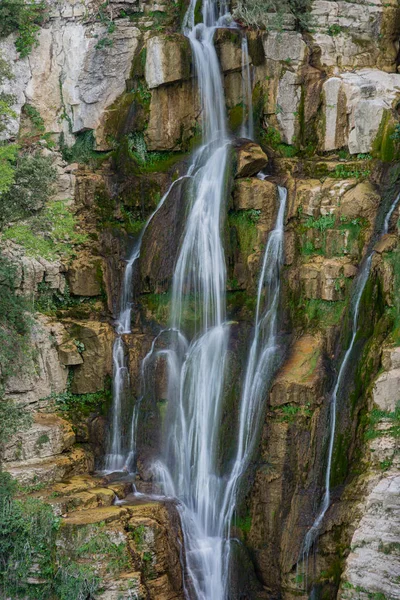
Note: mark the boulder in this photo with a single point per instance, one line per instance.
(85, 276)
(69, 355)
(167, 59)
(250, 158)
(254, 194)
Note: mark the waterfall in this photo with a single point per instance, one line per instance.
(120, 455)
(247, 129)
(359, 287)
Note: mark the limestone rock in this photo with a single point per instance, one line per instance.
(173, 113)
(254, 194)
(298, 381)
(373, 565)
(52, 468)
(48, 436)
(229, 48)
(386, 393)
(36, 382)
(85, 276)
(69, 355)
(167, 59)
(69, 77)
(354, 34)
(149, 530)
(364, 96)
(250, 159)
(97, 339)
(326, 278)
(284, 46)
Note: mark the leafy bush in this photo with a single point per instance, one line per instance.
(49, 234)
(33, 176)
(25, 18)
(82, 151)
(14, 320)
(268, 14)
(28, 530)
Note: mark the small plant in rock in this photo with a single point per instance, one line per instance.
(334, 30)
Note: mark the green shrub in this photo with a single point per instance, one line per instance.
(49, 234)
(25, 18)
(15, 322)
(334, 30)
(268, 14)
(34, 177)
(82, 151)
(8, 156)
(28, 530)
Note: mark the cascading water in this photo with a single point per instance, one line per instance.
(208, 500)
(360, 284)
(120, 456)
(197, 352)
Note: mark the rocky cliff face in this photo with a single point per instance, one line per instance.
(113, 85)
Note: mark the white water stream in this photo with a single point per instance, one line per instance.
(120, 456)
(197, 352)
(360, 284)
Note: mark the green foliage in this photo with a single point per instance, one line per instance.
(27, 533)
(322, 223)
(109, 24)
(34, 116)
(34, 177)
(394, 260)
(344, 172)
(8, 156)
(82, 151)
(377, 416)
(100, 544)
(321, 313)
(244, 523)
(334, 29)
(74, 580)
(49, 234)
(25, 18)
(76, 405)
(149, 162)
(268, 14)
(244, 222)
(14, 320)
(13, 419)
(396, 133)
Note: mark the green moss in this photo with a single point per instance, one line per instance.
(319, 314)
(384, 146)
(235, 117)
(393, 258)
(340, 458)
(244, 223)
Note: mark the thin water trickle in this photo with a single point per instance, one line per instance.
(313, 532)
